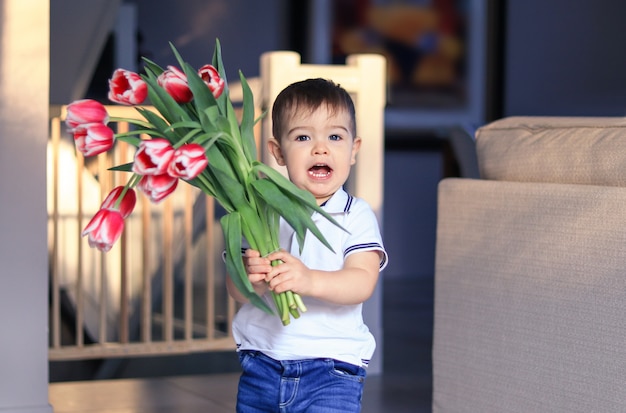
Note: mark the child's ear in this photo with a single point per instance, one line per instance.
(356, 145)
(274, 147)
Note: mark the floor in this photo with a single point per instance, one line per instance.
(405, 385)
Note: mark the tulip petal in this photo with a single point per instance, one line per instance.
(211, 77)
(93, 139)
(174, 81)
(104, 229)
(85, 111)
(127, 204)
(153, 157)
(157, 187)
(127, 88)
(188, 161)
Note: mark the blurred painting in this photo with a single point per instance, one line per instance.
(424, 42)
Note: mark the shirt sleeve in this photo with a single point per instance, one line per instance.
(364, 232)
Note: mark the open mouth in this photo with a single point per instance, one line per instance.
(320, 171)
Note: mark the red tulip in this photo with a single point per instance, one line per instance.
(93, 138)
(104, 229)
(81, 112)
(127, 88)
(174, 81)
(153, 157)
(212, 79)
(126, 205)
(188, 161)
(157, 187)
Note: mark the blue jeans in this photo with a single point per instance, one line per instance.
(310, 385)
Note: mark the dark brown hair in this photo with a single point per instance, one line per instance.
(310, 94)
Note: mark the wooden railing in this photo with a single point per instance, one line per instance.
(160, 290)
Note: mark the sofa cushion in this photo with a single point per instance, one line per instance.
(580, 150)
(530, 298)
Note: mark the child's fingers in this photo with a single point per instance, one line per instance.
(279, 255)
(250, 253)
(256, 278)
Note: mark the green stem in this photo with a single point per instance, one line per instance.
(290, 300)
(284, 307)
(130, 184)
(132, 121)
(294, 312)
(299, 302)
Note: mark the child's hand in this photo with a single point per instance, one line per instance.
(290, 275)
(257, 268)
(352, 284)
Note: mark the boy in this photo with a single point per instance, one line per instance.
(317, 362)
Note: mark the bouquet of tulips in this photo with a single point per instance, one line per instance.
(195, 136)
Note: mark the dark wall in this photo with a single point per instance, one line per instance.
(245, 28)
(557, 57)
(564, 57)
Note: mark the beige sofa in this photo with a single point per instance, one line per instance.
(530, 277)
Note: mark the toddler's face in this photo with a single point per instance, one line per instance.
(318, 150)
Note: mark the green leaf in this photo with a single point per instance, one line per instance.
(207, 139)
(189, 136)
(247, 120)
(211, 113)
(132, 121)
(186, 124)
(169, 109)
(218, 160)
(129, 138)
(205, 103)
(231, 226)
(290, 188)
(219, 65)
(231, 188)
(153, 67)
(227, 188)
(204, 181)
(294, 212)
(216, 190)
(231, 116)
(260, 236)
(202, 95)
(127, 167)
(162, 128)
(236, 158)
(217, 59)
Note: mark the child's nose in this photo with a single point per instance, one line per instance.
(320, 147)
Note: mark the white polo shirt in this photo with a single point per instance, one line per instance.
(325, 330)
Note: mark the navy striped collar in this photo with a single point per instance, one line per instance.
(341, 201)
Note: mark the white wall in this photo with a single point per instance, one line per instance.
(24, 73)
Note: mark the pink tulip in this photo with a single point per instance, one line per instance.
(157, 187)
(188, 161)
(174, 81)
(153, 157)
(104, 229)
(212, 79)
(127, 88)
(126, 205)
(93, 138)
(81, 112)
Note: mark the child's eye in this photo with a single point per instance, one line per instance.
(334, 137)
(301, 138)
